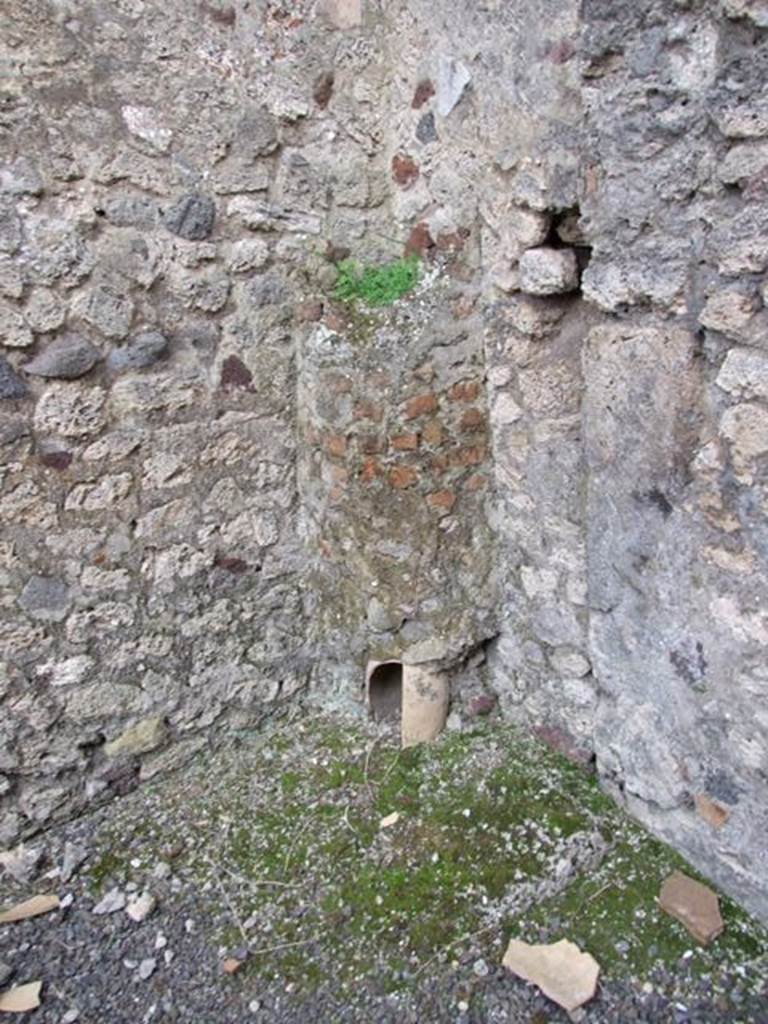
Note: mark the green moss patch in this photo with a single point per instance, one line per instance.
(281, 836)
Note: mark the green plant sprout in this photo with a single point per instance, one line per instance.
(377, 286)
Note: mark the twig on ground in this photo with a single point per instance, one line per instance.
(456, 942)
(594, 895)
(256, 881)
(351, 827)
(283, 945)
(228, 901)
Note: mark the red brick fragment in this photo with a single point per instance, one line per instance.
(403, 476)
(309, 311)
(420, 241)
(367, 410)
(464, 391)
(405, 442)
(336, 445)
(476, 482)
(444, 500)
(420, 405)
(472, 420)
(370, 471)
(405, 170)
(424, 91)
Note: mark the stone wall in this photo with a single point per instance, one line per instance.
(542, 472)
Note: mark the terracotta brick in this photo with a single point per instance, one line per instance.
(444, 500)
(420, 405)
(439, 465)
(402, 477)
(710, 811)
(367, 410)
(370, 471)
(472, 455)
(424, 91)
(476, 482)
(464, 391)
(452, 241)
(473, 419)
(336, 445)
(419, 241)
(309, 311)
(405, 170)
(432, 433)
(371, 444)
(405, 442)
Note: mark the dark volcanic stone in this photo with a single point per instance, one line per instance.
(66, 358)
(11, 384)
(142, 350)
(191, 217)
(425, 129)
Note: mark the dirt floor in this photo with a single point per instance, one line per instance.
(340, 879)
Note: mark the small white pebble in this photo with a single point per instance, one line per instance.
(189, 926)
(147, 968)
(168, 956)
(463, 1006)
(160, 942)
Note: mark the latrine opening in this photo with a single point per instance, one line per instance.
(385, 692)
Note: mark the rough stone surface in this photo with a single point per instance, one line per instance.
(191, 217)
(142, 350)
(146, 735)
(11, 384)
(548, 271)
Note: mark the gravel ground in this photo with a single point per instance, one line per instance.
(262, 852)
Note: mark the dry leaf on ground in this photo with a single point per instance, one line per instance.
(694, 905)
(32, 907)
(21, 998)
(391, 819)
(561, 970)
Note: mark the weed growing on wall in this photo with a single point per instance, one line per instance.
(377, 286)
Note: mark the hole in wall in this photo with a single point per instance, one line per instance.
(385, 692)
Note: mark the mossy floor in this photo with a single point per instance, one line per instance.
(496, 837)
